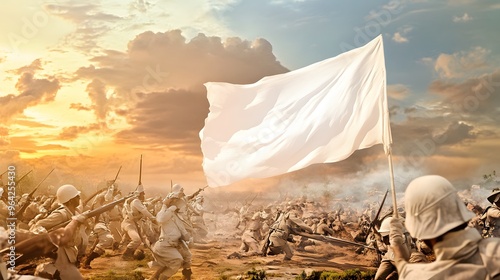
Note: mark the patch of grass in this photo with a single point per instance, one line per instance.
(256, 274)
(351, 274)
(112, 275)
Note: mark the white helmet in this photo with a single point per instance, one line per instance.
(66, 192)
(176, 188)
(385, 226)
(433, 207)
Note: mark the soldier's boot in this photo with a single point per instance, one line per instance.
(90, 258)
(128, 254)
(186, 274)
(115, 246)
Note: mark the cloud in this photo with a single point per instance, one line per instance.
(400, 36)
(32, 68)
(97, 94)
(398, 91)
(460, 64)
(26, 144)
(79, 107)
(158, 87)
(464, 18)
(72, 132)
(156, 61)
(172, 118)
(476, 98)
(90, 22)
(33, 91)
(457, 132)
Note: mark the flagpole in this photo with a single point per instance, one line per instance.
(393, 187)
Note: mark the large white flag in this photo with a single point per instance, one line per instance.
(317, 114)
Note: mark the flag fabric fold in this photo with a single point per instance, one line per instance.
(317, 114)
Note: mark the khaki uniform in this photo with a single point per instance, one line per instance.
(493, 220)
(168, 251)
(135, 211)
(66, 255)
(200, 229)
(461, 255)
(279, 237)
(251, 237)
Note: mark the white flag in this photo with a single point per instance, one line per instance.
(317, 114)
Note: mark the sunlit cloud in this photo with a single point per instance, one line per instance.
(459, 64)
(464, 18)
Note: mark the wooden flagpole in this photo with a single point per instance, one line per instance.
(393, 187)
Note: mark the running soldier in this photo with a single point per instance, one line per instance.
(104, 238)
(134, 212)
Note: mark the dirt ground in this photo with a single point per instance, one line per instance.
(210, 260)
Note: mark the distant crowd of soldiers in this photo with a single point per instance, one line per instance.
(71, 233)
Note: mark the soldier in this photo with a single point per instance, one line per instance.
(104, 238)
(182, 213)
(68, 238)
(476, 222)
(135, 211)
(492, 214)
(281, 233)
(436, 215)
(173, 236)
(251, 236)
(387, 269)
(200, 230)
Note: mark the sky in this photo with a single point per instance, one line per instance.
(89, 87)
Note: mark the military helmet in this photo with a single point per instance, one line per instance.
(66, 192)
(433, 207)
(494, 197)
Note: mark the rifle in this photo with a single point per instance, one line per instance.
(171, 185)
(92, 213)
(267, 242)
(19, 214)
(372, 223)
(4, 172)
(329, 239)
(140, 173)
(250, 203)
(196, 193)
(103, 189)
(22, 177)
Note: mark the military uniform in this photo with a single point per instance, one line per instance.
(438, 216)
(251, 236)
(281, 234)
(493, 214)
(170, 248)
(134, 211)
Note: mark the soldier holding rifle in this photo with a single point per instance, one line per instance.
(66, 241)
(169, 250)
(101, 229)
(280, 234)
